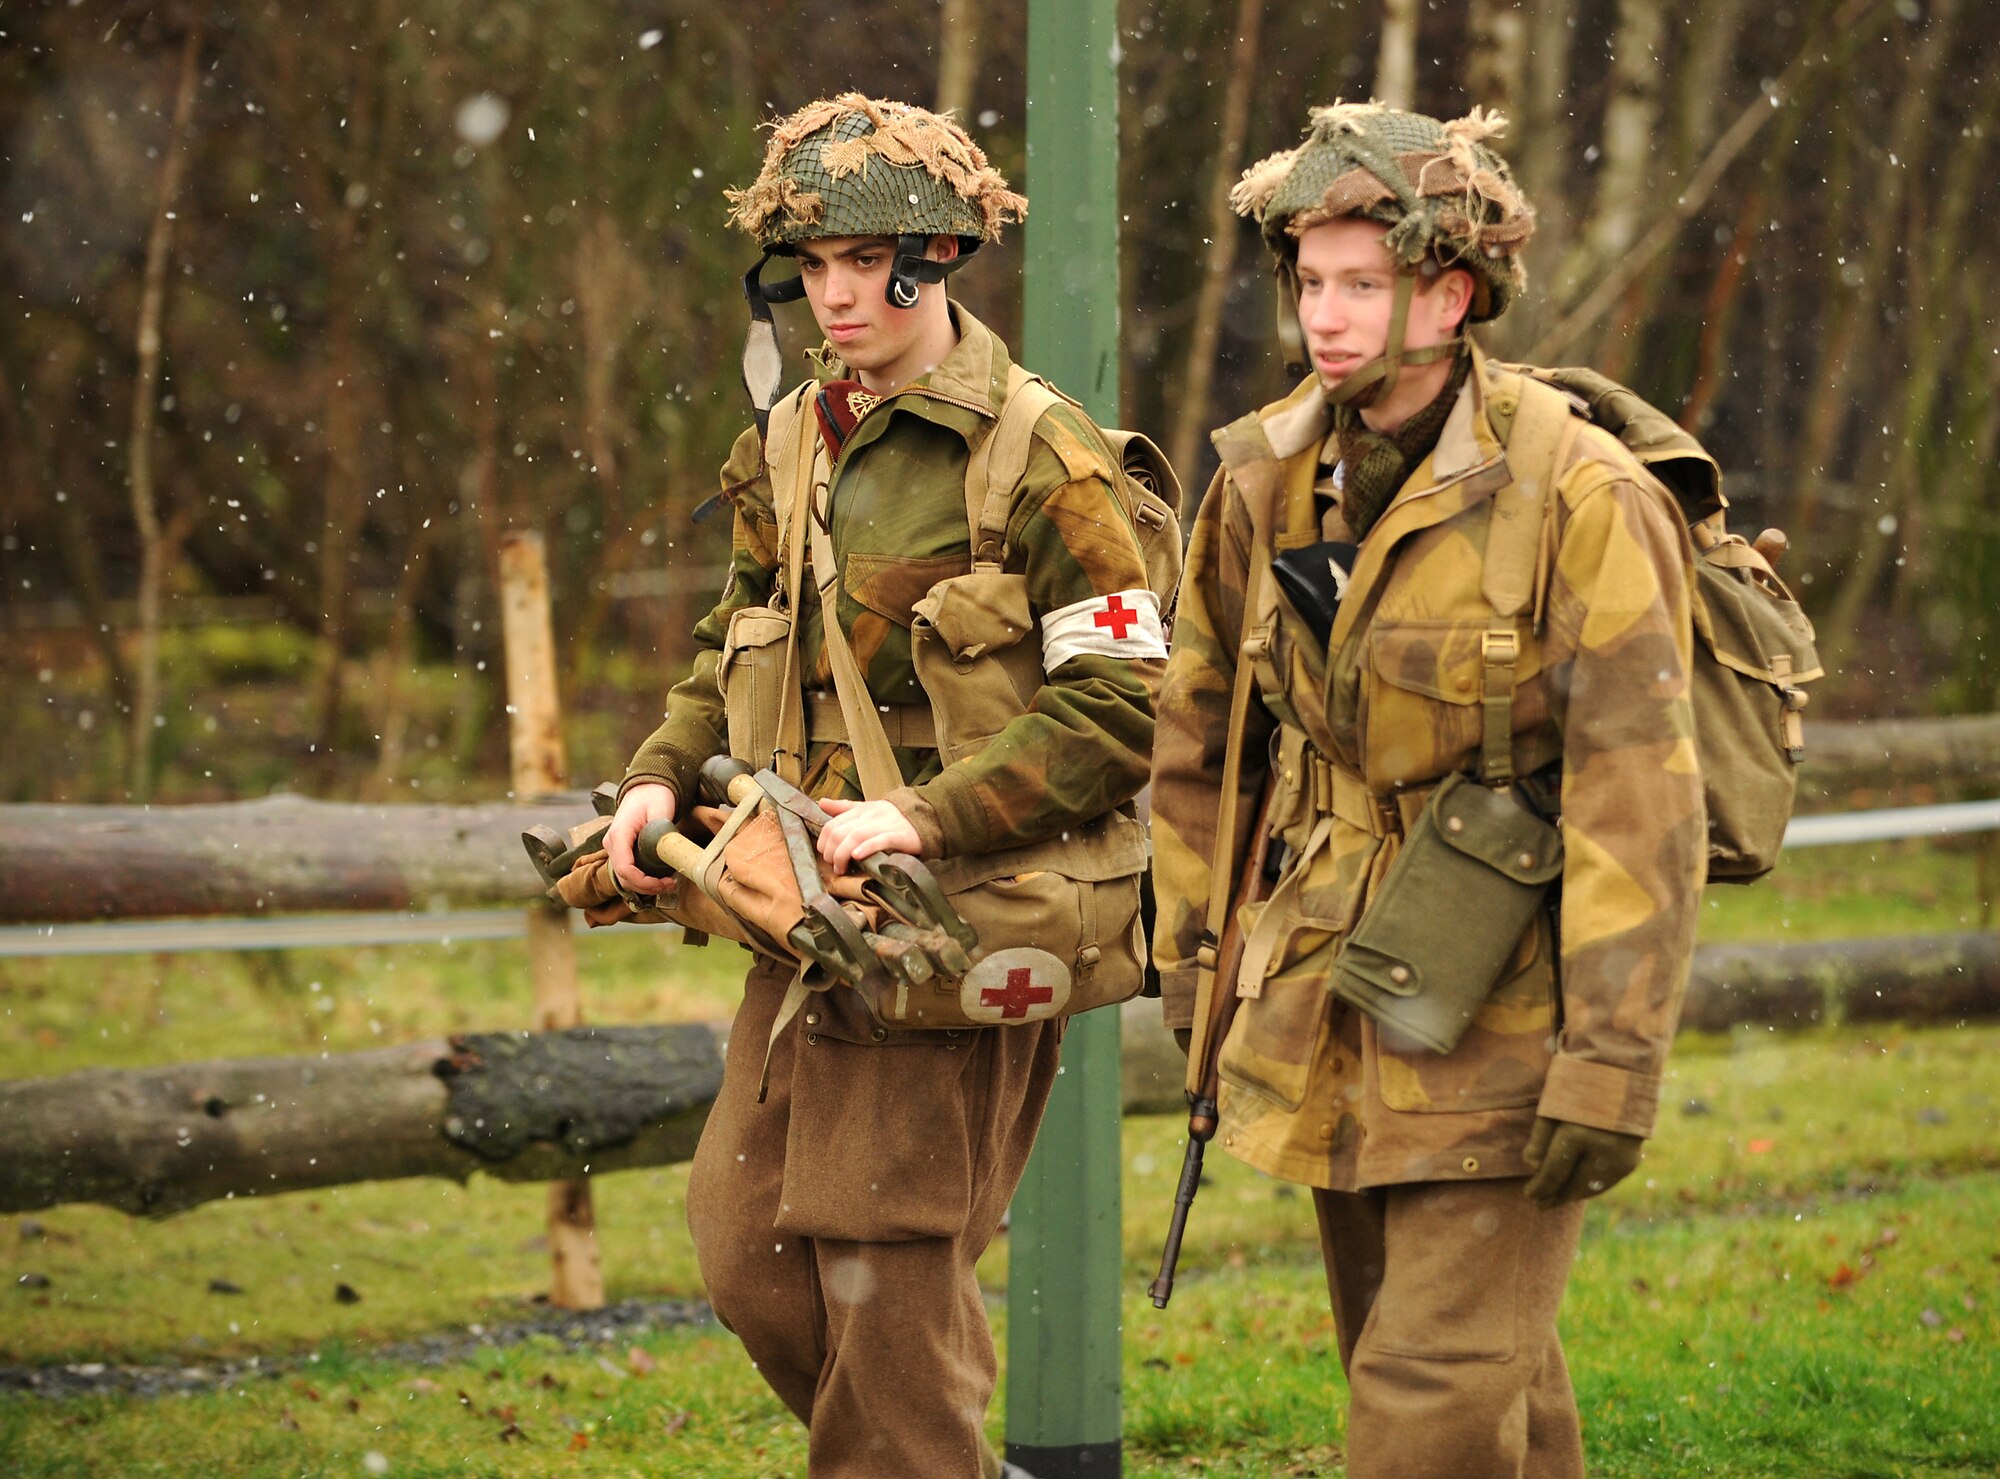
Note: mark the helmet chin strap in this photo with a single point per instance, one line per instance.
(764, 362)
(1376, 380)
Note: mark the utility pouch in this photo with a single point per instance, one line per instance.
(1450, 913)
(751, 675)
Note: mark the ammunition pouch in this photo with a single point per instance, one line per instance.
(751, 675)
(1477, 853)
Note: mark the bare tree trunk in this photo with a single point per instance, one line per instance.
(1191, 416)
(156, 540)
(1929, 328)
(1612, 285)
(1396, 63)
(1538, 144)
(1704, 79)
(397, 656)
(79, 553)
(958, 56)
(1627, 178)
(1851, 346)
(1496, 72)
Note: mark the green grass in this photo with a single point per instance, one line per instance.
(1909, 887)
(1710, 1324)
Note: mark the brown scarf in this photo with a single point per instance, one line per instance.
(1373, 466)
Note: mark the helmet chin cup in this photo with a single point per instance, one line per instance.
(911, 267)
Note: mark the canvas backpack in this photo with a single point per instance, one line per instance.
(1753, 649)
(1144, 481)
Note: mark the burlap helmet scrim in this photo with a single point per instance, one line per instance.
(860, 166)
(1444, 195)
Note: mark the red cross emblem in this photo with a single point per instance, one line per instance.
(1117, 617)
(1021, 993)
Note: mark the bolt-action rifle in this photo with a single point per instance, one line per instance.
(1252, 884)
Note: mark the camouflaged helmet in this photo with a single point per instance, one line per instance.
(860, 166)
(1444, 195)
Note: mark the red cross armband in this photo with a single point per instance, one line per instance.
(1124, 624)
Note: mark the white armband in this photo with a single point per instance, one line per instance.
(1124, 624)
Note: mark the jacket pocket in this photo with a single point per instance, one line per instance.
(891, 586)
(967, 641)
(1424, 709)
(751, 675)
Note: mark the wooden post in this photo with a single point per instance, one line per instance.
(534, 734)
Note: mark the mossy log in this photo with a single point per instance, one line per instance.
(518, 1106)
(1930, 980)
(536, 1107)
(282, 854)
(1900, 759)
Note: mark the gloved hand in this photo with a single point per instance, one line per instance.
(1572, 1162)
(1184, 1040)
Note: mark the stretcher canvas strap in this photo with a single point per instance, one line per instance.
(791, 489)
(874, 756)
(795, 997)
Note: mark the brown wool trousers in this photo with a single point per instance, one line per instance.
(837, 1223)
(1445, 1296)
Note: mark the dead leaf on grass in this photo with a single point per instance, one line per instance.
(641, 1361)
(673, 1422)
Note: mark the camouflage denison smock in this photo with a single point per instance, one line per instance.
(1311, 1092)
(898, 523)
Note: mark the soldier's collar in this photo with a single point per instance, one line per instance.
(973, 375)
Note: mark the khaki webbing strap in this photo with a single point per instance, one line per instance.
(1222, 863)
(874, 756)
(1499, 651)
(791, 494)
(909, 726)
(994, 471)
(795, 997)
(1538, 448)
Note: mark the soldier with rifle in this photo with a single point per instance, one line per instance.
(938, 641)
(1435, 637)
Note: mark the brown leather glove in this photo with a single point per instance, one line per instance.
(1572, 1162)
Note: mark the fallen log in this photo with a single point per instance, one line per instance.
(1939, 758)
(63, 864)
(527, 1107)
(518, 1106)
(1921, 979)
(280, 854)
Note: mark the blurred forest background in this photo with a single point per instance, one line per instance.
(301, 308)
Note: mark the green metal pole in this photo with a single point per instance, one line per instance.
(1063, 1328)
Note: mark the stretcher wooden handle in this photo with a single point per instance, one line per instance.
(662, 851)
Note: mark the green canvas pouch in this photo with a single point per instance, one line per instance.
(1452, 908)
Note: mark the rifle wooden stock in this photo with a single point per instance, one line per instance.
(1204, 1104)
